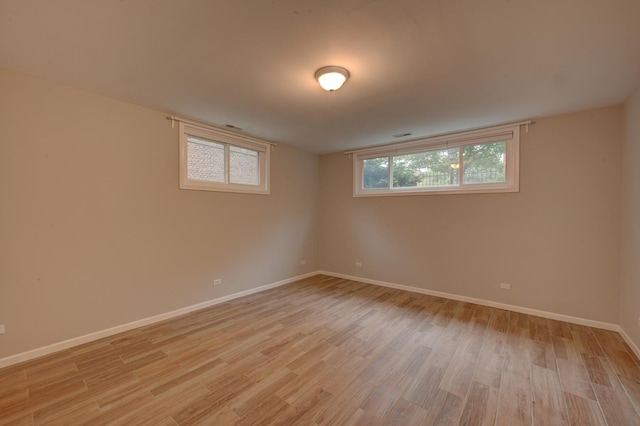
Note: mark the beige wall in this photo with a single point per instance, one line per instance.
(556, 241)
(95, 233)
(630, 222)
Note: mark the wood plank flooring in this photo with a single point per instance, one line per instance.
(328, 351)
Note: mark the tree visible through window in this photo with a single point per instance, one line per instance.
(376, 172)
(478, 164)
(485, 163)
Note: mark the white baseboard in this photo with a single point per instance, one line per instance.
(46, 350)
(514, 308)
(630, 342)
(59, 346)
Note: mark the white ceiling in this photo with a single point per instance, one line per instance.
(419, 66)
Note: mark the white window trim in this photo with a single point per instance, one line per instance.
(508, 133)
(226, 138)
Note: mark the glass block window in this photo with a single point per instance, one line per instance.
(205, 160)
(476, 161)
(244, 166)
(217, 160)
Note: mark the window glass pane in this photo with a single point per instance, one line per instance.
(205, 160)
(425, 169)
(484, 163)
(244, 166)
(375, 173)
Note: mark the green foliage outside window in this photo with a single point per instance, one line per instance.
(482, 163)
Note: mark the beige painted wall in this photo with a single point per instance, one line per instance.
(630, 222)
(556, 241)
(95, 232)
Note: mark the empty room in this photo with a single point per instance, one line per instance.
(301, 212)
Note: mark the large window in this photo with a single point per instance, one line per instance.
(476, 161)
(216, 160)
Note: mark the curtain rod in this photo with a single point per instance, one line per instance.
(230, 131)
(442, 135)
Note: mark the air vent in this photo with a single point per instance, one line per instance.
(231, 126)
(401, 135)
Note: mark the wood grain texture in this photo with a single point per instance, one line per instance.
(329, 351)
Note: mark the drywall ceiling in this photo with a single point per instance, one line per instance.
(418, 66)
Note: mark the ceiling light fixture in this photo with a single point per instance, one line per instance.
(331, 78)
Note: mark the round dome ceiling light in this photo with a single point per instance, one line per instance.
(331, 78)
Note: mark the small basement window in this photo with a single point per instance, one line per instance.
(216, 160)
(485, 160)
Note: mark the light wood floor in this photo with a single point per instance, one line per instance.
(331, 351)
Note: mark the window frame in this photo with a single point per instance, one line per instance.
(227, 139)
(508, 133)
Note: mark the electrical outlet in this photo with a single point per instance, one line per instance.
(358, 264)
(505, 286)
(217, 281)
(2, 329)
(303, 262)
